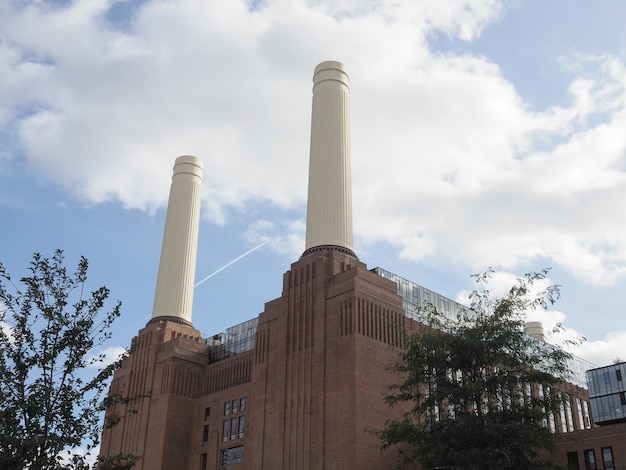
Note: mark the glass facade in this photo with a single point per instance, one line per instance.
(607, 393)
(415, 296)
(236, 340)
(231, 456)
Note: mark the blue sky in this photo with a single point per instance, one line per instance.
(485, 133)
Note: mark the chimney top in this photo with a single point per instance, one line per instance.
(331, 70)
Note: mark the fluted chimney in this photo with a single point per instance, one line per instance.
(534, 329)
(177, 267)
(329, 207)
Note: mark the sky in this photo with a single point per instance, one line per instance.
(485, 134)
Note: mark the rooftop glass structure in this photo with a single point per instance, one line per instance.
(236, 340)
(240, 338)
(415, 296)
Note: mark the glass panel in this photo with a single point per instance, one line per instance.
(205, 434)
(231, 456)
(568, 412)
(607, 458)
(233, 428)
(225, 429)
(586, 414)
(241, 425)
(562, 416)
(590, 460)
(579, 407)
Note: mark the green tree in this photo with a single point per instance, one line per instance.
(51, 381)
(478, 392)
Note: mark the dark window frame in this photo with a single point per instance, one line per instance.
(572, 461)
(233, 428)
(241, 425)
(608, 465)
(589, 464)
(205, 435)
(225, 429)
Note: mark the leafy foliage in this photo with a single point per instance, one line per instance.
(51, 384)
(478, 391)
(117, 462)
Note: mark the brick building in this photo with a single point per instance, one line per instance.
(299, 386)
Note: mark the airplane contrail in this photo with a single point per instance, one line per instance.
(209, 277)
(229, 263)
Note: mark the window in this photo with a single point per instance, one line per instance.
(203, 462)
(552, 423)
(568, 413)
(205, 435)
(233, 428)
(607, 458)
(579, 408)
(590, 460)
(618, 375)
(207, 413)
(572, 461)
(232, 456)
(226, 408)
(242, 419)
(586, 413)
(562, 416)
(225, 429)
(622, 397)
(235, 406)
(242, 404)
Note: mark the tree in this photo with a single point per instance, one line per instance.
(478, 392)
(51, 380)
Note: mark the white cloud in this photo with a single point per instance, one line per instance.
(7, 329)
(284, 237)
(91, 456)
(448, 159)
(598, 352)
(105, 356)
(603, 352)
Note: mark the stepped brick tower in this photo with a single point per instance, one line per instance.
(314, 390)
(168, 351)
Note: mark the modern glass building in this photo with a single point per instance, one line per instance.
(607, 393)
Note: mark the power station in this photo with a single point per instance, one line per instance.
(299, 386)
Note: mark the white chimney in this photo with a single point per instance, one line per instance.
(329, 208)
(534, 329)
(177, 266)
